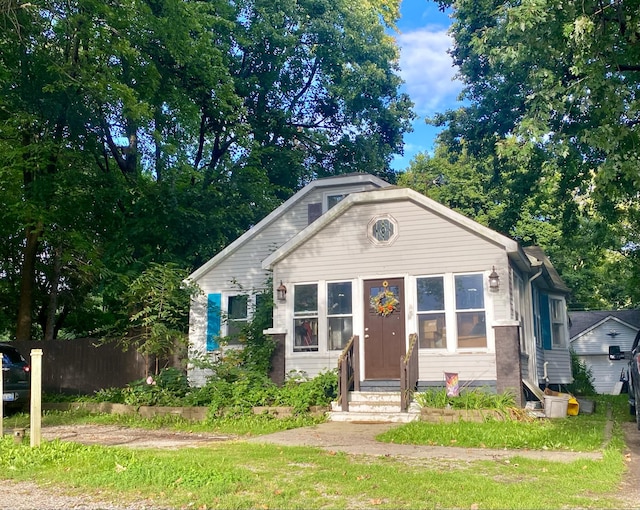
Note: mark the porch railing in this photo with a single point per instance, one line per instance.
(348, 372)
(409, 373)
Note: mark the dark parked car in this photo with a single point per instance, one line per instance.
(16, 378)
(633, 373)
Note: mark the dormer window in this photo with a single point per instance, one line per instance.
(333, 200)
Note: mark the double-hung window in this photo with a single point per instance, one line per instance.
(431, 313)
(557, 323)
(237, 317)
(470, 311)
(339, 314)
(305, 317)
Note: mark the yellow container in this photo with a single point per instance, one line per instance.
(573, 407)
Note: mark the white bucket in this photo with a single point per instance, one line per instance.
(556, 407)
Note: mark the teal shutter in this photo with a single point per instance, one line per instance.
(213, 321)
(545, 321)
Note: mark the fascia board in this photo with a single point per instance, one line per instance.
(389, 195)
(279, 211)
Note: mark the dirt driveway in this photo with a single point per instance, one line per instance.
(352, 438)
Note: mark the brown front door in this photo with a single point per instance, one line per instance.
(384, 333)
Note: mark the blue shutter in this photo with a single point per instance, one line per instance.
(545, 321)
(213, 321)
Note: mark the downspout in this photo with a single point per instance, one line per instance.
(534, 354)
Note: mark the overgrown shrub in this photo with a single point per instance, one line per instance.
(582, 377)
(469, 399)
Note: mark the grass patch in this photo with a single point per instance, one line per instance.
(242, 425)
(243, 475)
(585, 432)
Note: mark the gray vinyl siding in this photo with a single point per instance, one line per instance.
(243, 269)
(469, 367)
(605, 373)
(426, 244)
(596, 341)
(592, 347)
(558, 367)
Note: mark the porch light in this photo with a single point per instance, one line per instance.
(281, 292)
(494, 280)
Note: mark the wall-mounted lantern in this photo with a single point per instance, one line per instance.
(281, 292)
(494, 280)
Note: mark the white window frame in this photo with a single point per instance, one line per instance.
(457, 311)
(558, 320)
(443, 312)
(329, 315)
(307, 314)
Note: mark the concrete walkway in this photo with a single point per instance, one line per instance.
(359, 439)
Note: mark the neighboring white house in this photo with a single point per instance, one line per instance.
(592, 333)
(360, 257)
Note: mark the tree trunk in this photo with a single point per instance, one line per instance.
(27, 283)
(52, 307)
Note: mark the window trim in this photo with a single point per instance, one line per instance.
(306, 314)
(457, 311)
(338, 315)
(442, 312)
(382, 217)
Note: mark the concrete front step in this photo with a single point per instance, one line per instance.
(371, 406)
(374, 417)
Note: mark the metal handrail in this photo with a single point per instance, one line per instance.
(408, 373)
(348, 372)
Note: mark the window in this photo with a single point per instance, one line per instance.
(431, 316)
(557, 323)
(470, 314)
(333, 200)
(237, 317)
(383, 230)
(305, 322)
(339, 314)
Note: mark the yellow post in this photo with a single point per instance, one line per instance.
(36, 396)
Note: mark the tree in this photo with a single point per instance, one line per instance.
(154, 131)
(552, 96)
(157, 302)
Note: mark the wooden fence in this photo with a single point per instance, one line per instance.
(83, 366)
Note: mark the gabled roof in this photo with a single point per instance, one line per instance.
(583, 322)
(341, 180)
(393, 193)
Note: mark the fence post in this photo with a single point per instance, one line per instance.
(36, 397)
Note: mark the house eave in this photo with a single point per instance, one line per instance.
(276, 213)
(394, 194)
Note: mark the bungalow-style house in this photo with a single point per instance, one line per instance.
(592, 332)
(351, 257)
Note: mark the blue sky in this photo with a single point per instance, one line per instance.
(427, 70)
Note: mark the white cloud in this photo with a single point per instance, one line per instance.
(427, 69)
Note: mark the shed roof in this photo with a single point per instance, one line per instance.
(584, 320)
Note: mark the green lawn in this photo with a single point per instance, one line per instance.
(243, 475)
